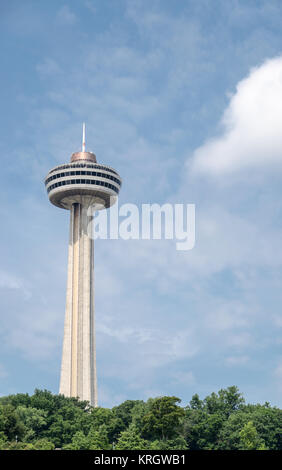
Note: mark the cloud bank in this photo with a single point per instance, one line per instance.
(251, 126)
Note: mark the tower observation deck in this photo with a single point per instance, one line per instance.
(81, 186)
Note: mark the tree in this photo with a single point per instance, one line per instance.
(98, 439)
(124, 411)
(64, 416)
(178, 443)
(163, 418)
(16, 400)
(231, 399)
(204, 419)
(131, 440)
(226, 401)
(201, 429)
(138, 412)
(43, 444)
(79, 442)
(3, 440)
(33, 419)
(103, 416)
(196, 403)
(95, 440)
(10, 424)
(268, 423)
(266, 420)
(250, 439)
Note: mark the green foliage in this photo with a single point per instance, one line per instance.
(41, 444)
(114, 423)
(95, 440)
(250, 439)
(3, 440)
(226, 401)
(201, 429)
(79, 442)
(178, 443)
(162, 419)
(131, 439)
(267, 421)
(10, 424)
(222, 420)
(34, 421)
(196, 403)
(138, 412)
(205, 419)
(16, 400)
(124, 411)
(98, 439)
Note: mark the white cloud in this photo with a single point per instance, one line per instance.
(251, 134)
(34, 345)
(48, 67)
(158, 346)
(277, 319)
(66, 16)
(9, 281)
(91, 6)
(3, 372)
(34, 334)
(236, 360)
(184, 377)
(228, 316)
(240, 340)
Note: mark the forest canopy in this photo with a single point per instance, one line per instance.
(221, 421)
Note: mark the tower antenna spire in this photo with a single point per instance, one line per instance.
(83, 137)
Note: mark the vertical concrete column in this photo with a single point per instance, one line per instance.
(65, 378)
(78, 371)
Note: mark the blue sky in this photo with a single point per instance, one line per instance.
(184, 99)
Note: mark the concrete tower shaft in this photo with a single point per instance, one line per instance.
(78, 369)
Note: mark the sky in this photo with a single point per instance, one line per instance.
(184, 100)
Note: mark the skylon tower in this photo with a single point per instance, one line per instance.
(81, 186)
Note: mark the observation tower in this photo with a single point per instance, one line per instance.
(81, 186)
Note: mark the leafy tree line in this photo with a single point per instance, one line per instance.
(221, 421)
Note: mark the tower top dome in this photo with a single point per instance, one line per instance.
(89, 156)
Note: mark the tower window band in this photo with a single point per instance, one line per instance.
(83, 165)
(75, 173)
(72, 182)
